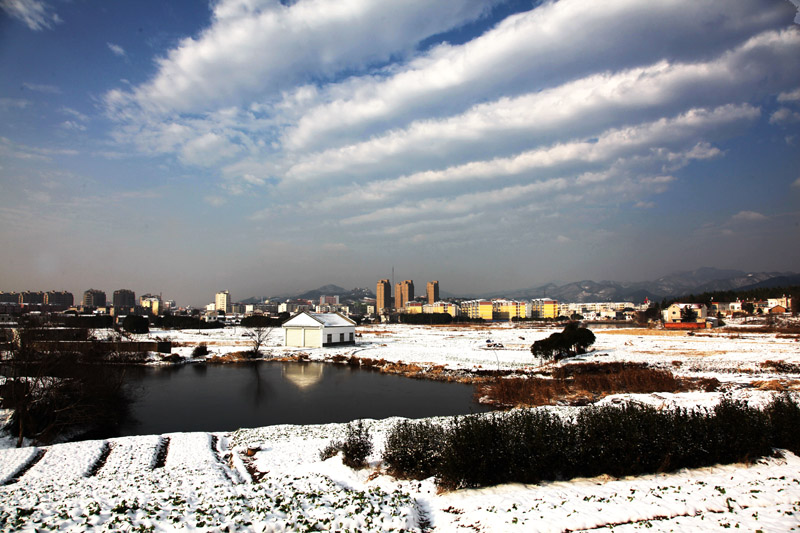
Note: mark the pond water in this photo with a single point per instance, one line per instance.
(232, 396)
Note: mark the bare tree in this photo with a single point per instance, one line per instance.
(259, 335)
(52, 393)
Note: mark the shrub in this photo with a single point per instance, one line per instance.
(413, 449)
(200, 350)
(136, 324)
(573, 340)
(530, 446)
(357, 445)
(784, 419)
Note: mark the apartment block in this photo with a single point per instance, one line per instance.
(61, 298)
(442, 307)
(477, 309)
(94, 298)
(222, 301)
(403, 292)
(432, 291)
(383, 302)
(544, 308)
(508, 309)
(124, 298)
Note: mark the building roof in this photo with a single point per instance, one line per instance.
(319, 319)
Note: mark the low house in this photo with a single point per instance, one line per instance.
(316, 330)
(678, 312)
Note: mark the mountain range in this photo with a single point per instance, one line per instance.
(705, 279)
(697, 281)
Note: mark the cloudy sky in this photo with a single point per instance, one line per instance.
(268, 147)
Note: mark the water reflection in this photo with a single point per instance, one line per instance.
(253, 394)
(303, 375)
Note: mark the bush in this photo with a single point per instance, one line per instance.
(573, 340)
(357, 445)
(355, 448)
(413, 449)
(200, 350)
(530, 446)
(136, 324)
(784, 419)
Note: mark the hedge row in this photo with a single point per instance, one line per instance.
(530, 446)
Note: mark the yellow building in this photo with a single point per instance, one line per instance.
(544, 308)
(477, 309)
(442, 307)
(508, 309)
(413, 308)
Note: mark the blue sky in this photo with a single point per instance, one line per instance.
(265, 147)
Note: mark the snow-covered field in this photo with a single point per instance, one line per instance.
(207, 481)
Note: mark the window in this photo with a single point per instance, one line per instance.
(341, 337)
(330, 338)
(351, 337)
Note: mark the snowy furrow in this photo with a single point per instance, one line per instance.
(131, 455)
(65, 462)
(13, 461)
(193, 454)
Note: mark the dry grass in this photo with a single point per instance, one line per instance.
(781, 366)
(586, 382)
(232, 357)
(642, 331)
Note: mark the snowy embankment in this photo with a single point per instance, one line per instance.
(202, 481)
(208, 482)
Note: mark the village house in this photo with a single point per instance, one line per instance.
(675, 313)
(317, 330)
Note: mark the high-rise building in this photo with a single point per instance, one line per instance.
(433, 291)
(124, 298)
(94, 298)
(29, 297)
(383, 302)
(62, 298)
(329, 300)
(222, 301)
(9, 297)
(403, 292)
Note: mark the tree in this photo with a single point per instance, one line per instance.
(258, 337)
(573, 340)
(136, 324)
(52, 393)
(748, 307)
(688, 314)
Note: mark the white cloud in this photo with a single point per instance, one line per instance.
(534, 49)
(116, 49)
(790, 96)
(575, 109)
(580, 105)
(784, 115)
(262, 47)
(14, 103)
(208, 149)
(215, 200)
(42, 88)
(607, 148)
(748, 216)
(796, 183)
(36, 14)
(73, 125)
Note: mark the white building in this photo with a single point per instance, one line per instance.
(316, 330)
(222, 301)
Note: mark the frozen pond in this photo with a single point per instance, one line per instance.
(231, 396)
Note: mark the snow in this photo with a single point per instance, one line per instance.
(209, 482)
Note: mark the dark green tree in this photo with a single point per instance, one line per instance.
(136, 324)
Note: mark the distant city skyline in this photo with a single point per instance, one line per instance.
(180, 147)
